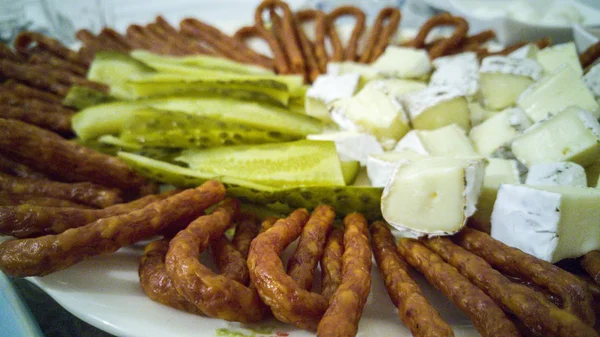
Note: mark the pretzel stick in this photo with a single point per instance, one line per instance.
(267, 223)
(44, 58)
(37, 79)
(318, 46)
(278, 61)
(7, 53)
(331, 263)
(473, 42)
(51, 120)
(141, 38)
(576, 296)
(350, 54)
(590, 55)
(14, 168)
(194, 47)
(92, 44)
(591, 263)
(381, 35)
(25, 39)
(108, 34)
(531, 307)
(245, 231)
(439, 49)
(25, 91)
(289, 41)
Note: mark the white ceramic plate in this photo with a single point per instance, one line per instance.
(104, 291)
(15, 318)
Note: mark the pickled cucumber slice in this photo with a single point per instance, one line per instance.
(120, 143)
(350, 170)
(299, 163)
(111, 118)
(81, 97)
(157, 128)
(162, 63)
(345, 199)
(115, 69)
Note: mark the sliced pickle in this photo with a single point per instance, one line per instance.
(81, 97)
(115, 69)
(345, 199)
(291, 164)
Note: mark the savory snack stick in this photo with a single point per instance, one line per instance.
(109, 34)
(312, 70)
(51, 120)
(7, 53)
(331, 263)
(351, 52)
(413, 308)
(444, 46)
(574, 293)
(155, 281)
(347, 303)
(278, 62)
(246, 230)
(169, 32)
(57, 157)
(229, 261)
(25, 40)
(287, 34)
(288, 302)
(30, 220)
(590, 55)
(27, 92)
(267, 223)
(12, 98)
(31, 76)
(216, 295)
(470, 43)
(44, 57)
(531, 307)
(8, 199)
(174, 41)
(100, 42)
(83, 192)
(14, 168)
(50, 253)
(487, 316)
(384, 28)
(142, 38)
(591, 263)
(301, 265)
(318, 45)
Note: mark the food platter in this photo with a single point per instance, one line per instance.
(105, 292)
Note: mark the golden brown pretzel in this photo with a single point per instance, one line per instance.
(384, 28)
(245, 231)
(447, 44)
(23, 91)
(531, 307)
(25, 40)
(58, 122)
(347, 303)
(351, 52)
(50, 253)
(32, 77)
(8, 199)
(14, 168)
(278, 61)
(43, 57)
(487, 316)
(590, 55)
(331, 263)
(318, 45)
(215, 295)
(591, 263)
(413, 308)
(307, 48)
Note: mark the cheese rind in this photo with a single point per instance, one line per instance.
(551, 58)
(498, 130)
(436, 107)
(460, 71)
(555, 92)
(449, 140)
(327, 89)
(403, 62)
(549, 222)
(556, 174)
(571, 135)
(350, 145)
(432, 196)
(381, 166)
(528, 51)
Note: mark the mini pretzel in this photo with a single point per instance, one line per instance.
(14, 168)
(140, 38)
(472, 43)
(278, 61)
(591, 263)
(25, 74)
(7, 53)
(307, 48)
(25, 40)
(44, 58)
(108, 34)
(288, 37)
(381, 34)
(351, 52)
(245, 231)
(319, 18)
(447, 44)
(590, 55)
(51, 120)
(188, 46)
(331, 263)
(27, 92)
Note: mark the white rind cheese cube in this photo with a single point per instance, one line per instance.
(592, 173)
(460, 71)
(366, 72)
(479, 114)
(555, 92)
(381, 166)
(503, 79)
(449, 140)
(556, 174)
(396, 87)
(571, 135)
(497, 172)
(436, 107)
(433, 196)
(351, 145)
(592, 80)
(403, 62)
(551, 58)
(549, 222)
(327, 89)
(498, 130)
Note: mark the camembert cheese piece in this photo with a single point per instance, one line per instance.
(556, 174)
(460, 71)
(551, 58)
(449, 141)
(327, 89)
(499, 130)
(555, 92)
(549, 222)
(592, 81)
(528, 51)
(435, 107)
(351, 145)
(403, 62)
(380, 166)
(433, 196)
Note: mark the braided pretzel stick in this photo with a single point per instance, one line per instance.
(439, 49)
(381, 34)
(318, 46)
(278, 61)
(473, 42)
(168, 32)
(289, 42)
(590, 55)
(350, 54)
(306, 47)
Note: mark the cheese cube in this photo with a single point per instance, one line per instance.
(497, 172)
(380, 166)
(373, 112)
(327, 89)
(552, 58)
(433, 196)
(592, 173)
(592, 80)
(555, 92)
(528, 51)
(436, 107)
(479, 114)
(449, 140)
(351, 145)
(395, 87)
(503, 79)
(499, 130)
(556, 174)
(549, 222)
(460, 71)
(366, 72)
(403, 62)
(571, 135)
